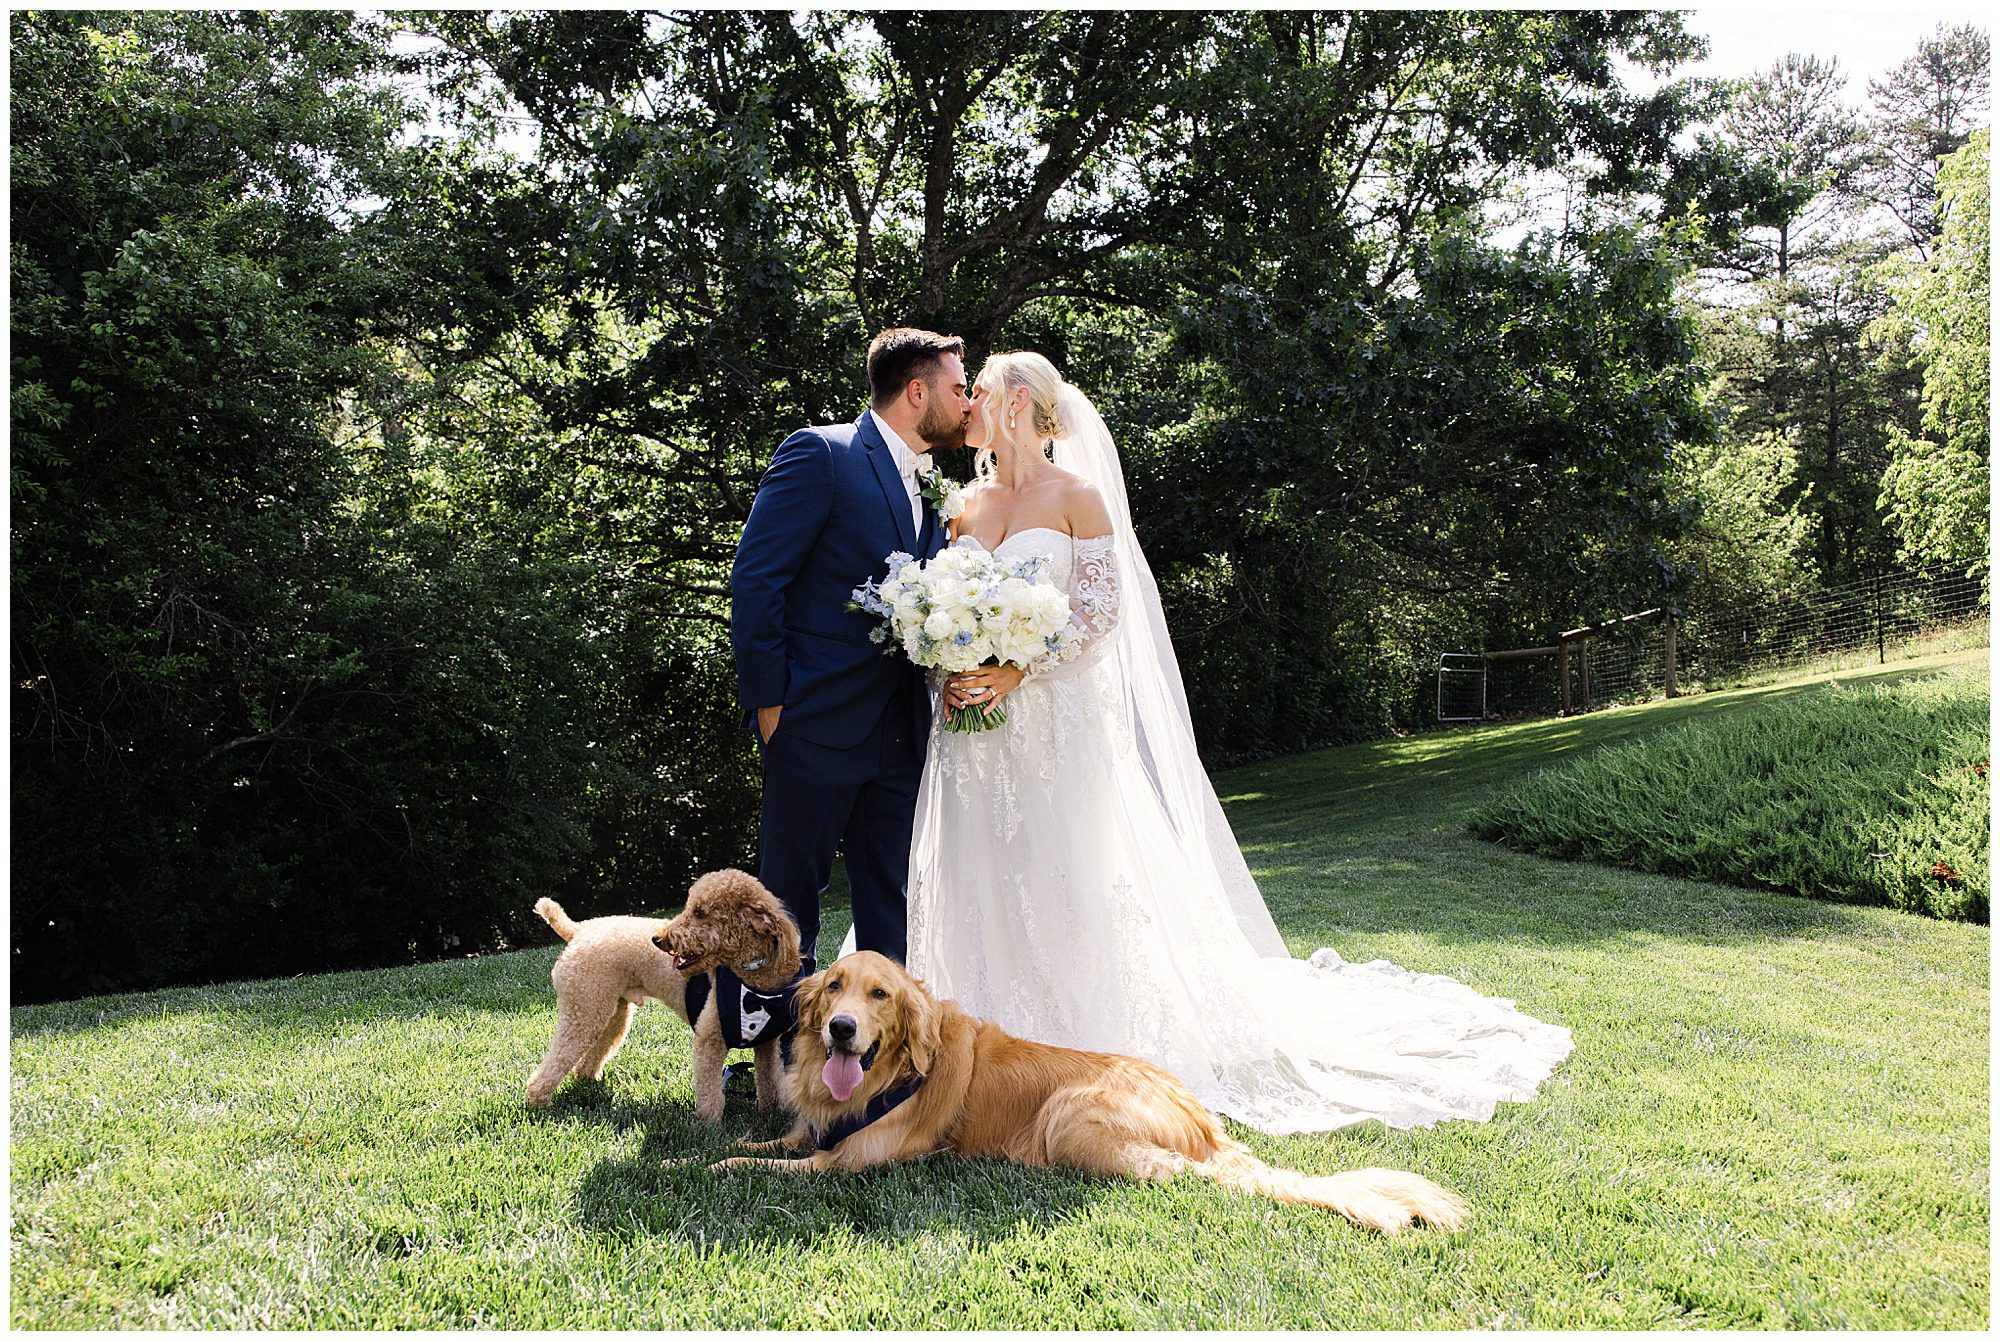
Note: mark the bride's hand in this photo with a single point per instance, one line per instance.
(983, 687)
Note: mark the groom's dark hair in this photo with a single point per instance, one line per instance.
(900, 356)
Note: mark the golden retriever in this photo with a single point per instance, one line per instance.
(612, 964)
(882, 1071)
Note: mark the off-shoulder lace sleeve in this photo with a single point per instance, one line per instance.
(1094, 597)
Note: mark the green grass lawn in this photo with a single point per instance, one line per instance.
(1776, 1116)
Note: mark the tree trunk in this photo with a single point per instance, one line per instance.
(1784, 270)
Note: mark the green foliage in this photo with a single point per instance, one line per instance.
(1511, 417)
(1104, 187)
(1802, 277)
(1787, 293)
(256, 726)
(1923, 111)
(1853, 794)
(1936, 488)
(1750, 546)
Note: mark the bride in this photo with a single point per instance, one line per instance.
(1073, 878)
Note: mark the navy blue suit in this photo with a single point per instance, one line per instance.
(841, 769)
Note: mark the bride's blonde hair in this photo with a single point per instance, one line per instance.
(1003, 375)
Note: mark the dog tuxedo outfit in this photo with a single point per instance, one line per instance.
(747, 1014)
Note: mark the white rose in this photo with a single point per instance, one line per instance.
(938, 626)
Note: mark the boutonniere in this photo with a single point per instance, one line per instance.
(937, 489)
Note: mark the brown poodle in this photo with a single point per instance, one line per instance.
(612, 964)
(882, 1071)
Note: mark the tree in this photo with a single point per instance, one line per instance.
(259, 725)
(1790, 291)
(1936, 487)
(1923, 111)
(1788, 125)
(1108, 187)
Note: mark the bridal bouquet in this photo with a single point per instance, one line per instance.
(967, 608)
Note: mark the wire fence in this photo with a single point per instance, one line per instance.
(1892, 617)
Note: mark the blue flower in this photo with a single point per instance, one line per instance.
(963, 639)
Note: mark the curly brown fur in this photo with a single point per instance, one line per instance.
(612, 964)
(987, 1093)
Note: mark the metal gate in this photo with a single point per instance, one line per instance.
(1461, 687)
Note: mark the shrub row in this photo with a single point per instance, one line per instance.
(1871, 794)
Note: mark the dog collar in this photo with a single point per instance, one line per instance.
(878, 1108)
(752, 966)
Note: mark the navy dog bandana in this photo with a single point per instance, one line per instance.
(878, 1107)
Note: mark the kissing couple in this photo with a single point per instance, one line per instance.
(1068, 874)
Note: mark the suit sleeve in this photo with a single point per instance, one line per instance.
(793, 502)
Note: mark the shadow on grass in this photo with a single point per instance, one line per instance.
(670, 1188)
(502, 984)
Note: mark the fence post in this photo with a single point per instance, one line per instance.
(1583, 671)
(1563, 657)
(1668, 622)
(1881, 641)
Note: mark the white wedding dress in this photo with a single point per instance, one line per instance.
(1073, 879)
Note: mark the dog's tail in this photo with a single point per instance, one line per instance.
(553, 914)
(1385, 1199)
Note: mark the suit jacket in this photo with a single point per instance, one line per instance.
(829, 511)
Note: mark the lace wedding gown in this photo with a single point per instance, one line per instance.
(1052, 892)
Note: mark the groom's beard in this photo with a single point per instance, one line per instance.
(943, 428)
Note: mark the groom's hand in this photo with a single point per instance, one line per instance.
(767, 722)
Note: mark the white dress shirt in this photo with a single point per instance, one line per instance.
(908, 463)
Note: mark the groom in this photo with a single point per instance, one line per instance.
(842, 725)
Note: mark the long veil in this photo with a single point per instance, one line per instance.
(1149, 683)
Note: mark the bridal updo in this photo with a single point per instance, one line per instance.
(1003, 375)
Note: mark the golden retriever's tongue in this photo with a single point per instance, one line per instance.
(842, 1074)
